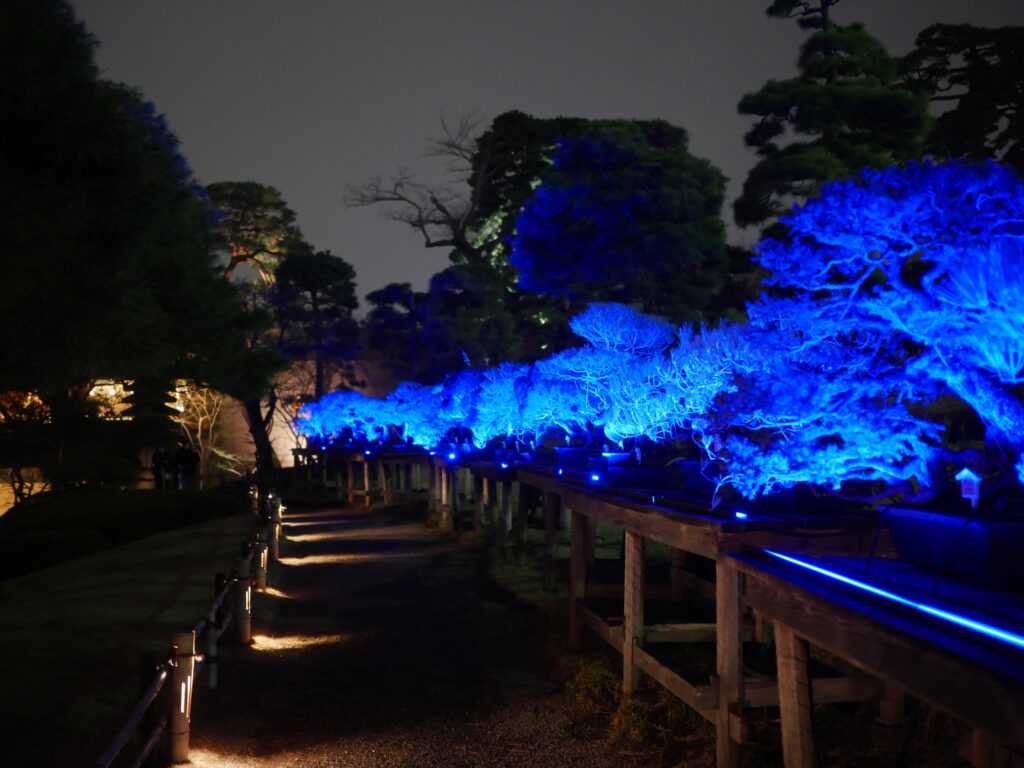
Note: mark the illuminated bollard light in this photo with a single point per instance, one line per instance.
(243, 601)
(184, 650)
(260, 552)
(275, 541)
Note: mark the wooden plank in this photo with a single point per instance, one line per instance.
(632, 610)
(674, 531)
(351, 474)
(680, 633)
(611, 635)
(796, 704)
(729, 662)
(366, 483)
(577, 578)
(958, 684)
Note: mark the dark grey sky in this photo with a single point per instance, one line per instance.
(309, 95)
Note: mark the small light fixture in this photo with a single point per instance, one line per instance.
(741, 515)
(595, 478)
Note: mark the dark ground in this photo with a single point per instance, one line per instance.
(385, 644)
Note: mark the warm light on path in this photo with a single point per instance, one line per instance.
(293, 642)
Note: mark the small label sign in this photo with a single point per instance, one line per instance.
(970, 486)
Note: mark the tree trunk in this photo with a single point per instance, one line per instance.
(259, 429)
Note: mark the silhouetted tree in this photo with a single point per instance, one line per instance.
(843, 112)
(314, 299)
(625, 213)
(977, 77)
(107, 262)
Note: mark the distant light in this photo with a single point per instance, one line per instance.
(366, 452)
(561, 471)
(432, 452)
(962, 621)
(451, 456)
(596, 478)
(741, 515)
(504, 465)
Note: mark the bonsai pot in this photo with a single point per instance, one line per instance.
(983, 548)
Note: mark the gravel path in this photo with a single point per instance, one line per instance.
(383, 644)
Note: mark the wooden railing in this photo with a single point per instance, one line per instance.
(177, 673)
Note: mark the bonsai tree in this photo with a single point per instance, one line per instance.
(901, 285)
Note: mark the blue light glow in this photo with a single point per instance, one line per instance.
(962, 621)
(504, 465)
(595, 478)
(367, 453)
(561, 471)
(740, 515)
(451, 456)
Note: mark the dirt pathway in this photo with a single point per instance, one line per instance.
(384, 646)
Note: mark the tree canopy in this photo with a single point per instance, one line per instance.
(845, 111)
(624, 213)
(976, 77)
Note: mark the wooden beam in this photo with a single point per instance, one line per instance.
(796, 704)
(523, 503)
(632, 611)
(729, 663)
(680, 633)
(674, 531)
(677, 568)
(955, 683)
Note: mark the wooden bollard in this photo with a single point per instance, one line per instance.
(243, 601)
(184, 650)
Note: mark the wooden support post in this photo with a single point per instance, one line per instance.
(892, 706)
(243, 601)
(478, 503)
(366, 483)
(577, 578)
(632, 611)
(382, 480)
(453, 493)
(523, 499)
(445, 508)
(729, 663)
(552, 513)
(795, 701)
(183, 649)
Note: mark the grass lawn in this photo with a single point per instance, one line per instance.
(72, 636)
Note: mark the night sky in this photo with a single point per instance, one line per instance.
(310, 96)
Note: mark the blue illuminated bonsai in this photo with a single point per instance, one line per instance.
(905, 284)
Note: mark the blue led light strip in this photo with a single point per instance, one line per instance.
(985, 629)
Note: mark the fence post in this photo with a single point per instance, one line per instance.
(184, 649)
(243, 601)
